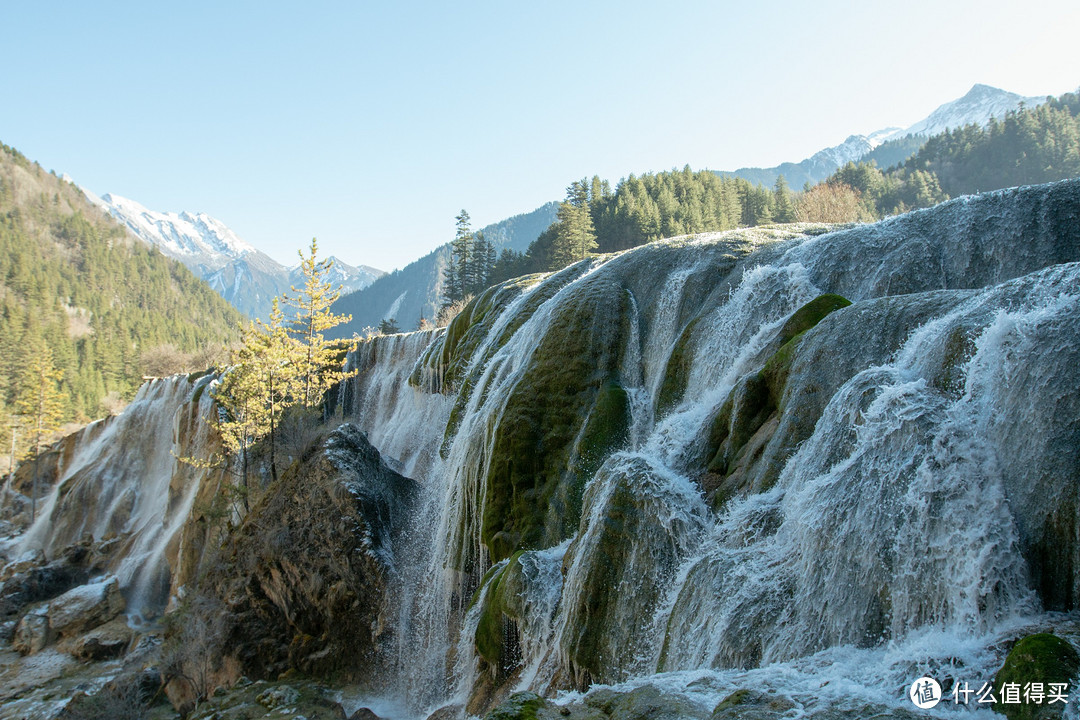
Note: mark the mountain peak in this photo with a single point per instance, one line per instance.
(195, 237)
(981, 103)
(243, 275)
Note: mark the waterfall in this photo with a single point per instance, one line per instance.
(891, 524)
(123, 479)
(689, 475)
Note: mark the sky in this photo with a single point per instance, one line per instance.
(371, 125)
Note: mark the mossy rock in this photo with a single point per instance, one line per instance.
(959, 348)
(811, 314)
(519, 706)
(471, 326)
(752, 705)
(606, 430)
(746, 409)
(776, 370)
(743, 422)
(1044, 658)
(677, 373)
(538, 467)
(496, 631)
(643, 703)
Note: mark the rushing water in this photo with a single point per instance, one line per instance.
(886, 547)
(886, 518)
(125, 478)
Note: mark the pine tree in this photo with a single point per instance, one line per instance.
(481, 263)
(321, 360)
(783, 203)
(574, 236)
(41, 406)
(389, 327)
(457, 273)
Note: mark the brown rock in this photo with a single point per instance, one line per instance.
(32, 633)
(111, 640)
(85, 608)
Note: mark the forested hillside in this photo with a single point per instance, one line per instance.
(100, 306)
(415, 291)
(1029, 146)
(595, 218)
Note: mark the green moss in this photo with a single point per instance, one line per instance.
(501, 607)
(520, 706)
(737, 422)
(811, 314)
(538, 465)
(677, 373)
(1043, 658)
(757, 399)
(197, 395)
(775, 372)
(734, 699)
(606, 430)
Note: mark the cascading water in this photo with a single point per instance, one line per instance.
(881, 534)
(124, 479)
(642, 470)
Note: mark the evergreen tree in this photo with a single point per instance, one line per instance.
(783, 202)
(40, 406)
(321, 360)
(241, 394)
(456, 276)
(389, 327)
(574, 236)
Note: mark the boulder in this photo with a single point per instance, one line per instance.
(1041, 658)
(85, 608)
(111, 640)
(32, 633)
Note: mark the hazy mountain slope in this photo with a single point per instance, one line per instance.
(415, 291)
(977, 106)
(73, 280)
(981, 103)
(248, 278)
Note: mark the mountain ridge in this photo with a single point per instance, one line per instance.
(246, 277)
(978, 105)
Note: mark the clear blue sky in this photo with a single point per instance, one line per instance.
(370, 125)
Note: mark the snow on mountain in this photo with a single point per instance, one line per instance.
(981, 103)
(350, 278)
(852, 149)
(192, 238)
(245, 276)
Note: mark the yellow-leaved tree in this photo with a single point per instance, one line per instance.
(40, 405)
(282, 364)
(322, 361)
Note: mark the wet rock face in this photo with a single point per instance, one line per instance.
(535, 484)
(304, 579)
(120, 478)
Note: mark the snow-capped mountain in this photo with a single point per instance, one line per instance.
(240, 273)
(196, 239)
(980, 104)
